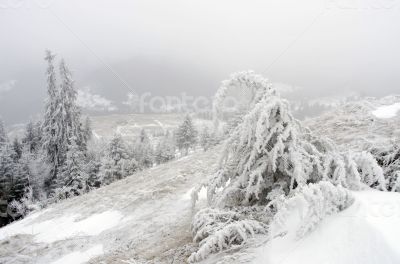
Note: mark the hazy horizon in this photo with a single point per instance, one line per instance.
(168, 48)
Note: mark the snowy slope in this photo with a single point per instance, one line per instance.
(368, 232)
(144, 218)
(357, 124)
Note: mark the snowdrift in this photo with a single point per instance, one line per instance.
(367, 232)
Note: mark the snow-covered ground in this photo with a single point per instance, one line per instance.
(367, 232)
(387, 111)
(144, 218)
(356, 126)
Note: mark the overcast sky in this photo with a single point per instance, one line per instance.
(115, 47)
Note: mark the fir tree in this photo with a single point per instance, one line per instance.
(143, 150)
(73, 178)
(52, 118)
(165, 150)
(3, 134)
(205, 139)
(17, 147)
(112, 168)
(31, 138)
(186, 135)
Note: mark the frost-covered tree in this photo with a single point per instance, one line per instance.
(52, 117)
(62, 120)
(31, 138)
(186, 135)
(247, 88)
(270, 154)
(143, 150)
(7, 171)
(312, 203)
(165, 150)
(389, 158)
(3, 133)
(87, 130)
(73, 178)
(113, 164)
(71, 125)
(17, 147)
(206, 139)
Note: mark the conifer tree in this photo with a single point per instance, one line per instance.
(73, 178)
(3, 134)
(186, 136)
(165, 149)
(112, 168)
(51, 127)
(143, 150)
(205, 139)
(31, 137)
(17, 147)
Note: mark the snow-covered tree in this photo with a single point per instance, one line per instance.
(186, 135)
(31, 138)
(62, 120)
(165, 150)
(311, 204)
(71, 125)
(205, 139)
(17, 147)
(143, 150)
(113, 164)
(7, 171)
(73, 178)
(271, 153)
(389, 158)
(3, 133)
(52, 117)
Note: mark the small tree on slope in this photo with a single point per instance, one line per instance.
(186, 135)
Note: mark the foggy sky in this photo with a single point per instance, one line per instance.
(167, 47)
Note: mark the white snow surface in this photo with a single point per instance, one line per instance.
(387, 111)
(367, 232)
(63, 227)
(80, 257)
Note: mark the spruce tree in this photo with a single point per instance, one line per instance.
(165, 150)
(51, 122)
(186, 136)
(73, 178)
(112, 168)
(205, 139)
(143, 150)
(31, 137)
(3, 134)
(17, 147)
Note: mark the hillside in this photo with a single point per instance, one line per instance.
(361, 124)
(144, 218)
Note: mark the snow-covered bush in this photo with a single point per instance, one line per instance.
(389, 158)
(310, 204)
(217, 230)
(22, 207)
